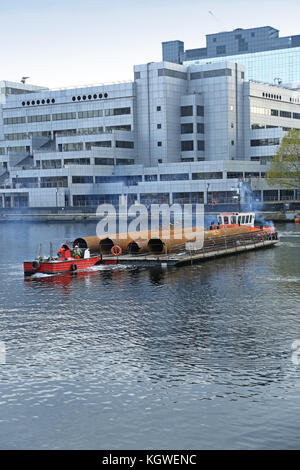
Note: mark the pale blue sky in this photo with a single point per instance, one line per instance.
(74, 42)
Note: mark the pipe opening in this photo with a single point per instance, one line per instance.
(133, 247)
(155, 245)
(106, 245)
(81, 243)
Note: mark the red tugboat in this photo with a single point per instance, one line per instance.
(64, 262)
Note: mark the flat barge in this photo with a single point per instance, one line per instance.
(212, 248)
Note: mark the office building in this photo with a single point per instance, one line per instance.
(177, 133)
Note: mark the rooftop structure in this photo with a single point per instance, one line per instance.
(265, 56)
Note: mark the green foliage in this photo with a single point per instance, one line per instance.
(285, 165)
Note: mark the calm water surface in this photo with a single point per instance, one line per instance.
(123, 358)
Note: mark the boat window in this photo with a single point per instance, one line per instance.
(240, 219)
(233, 219)
(220, 220)
(225, 220)
(247, 219)
(250, 219)
(243, 219)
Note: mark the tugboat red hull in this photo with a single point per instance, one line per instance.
(60, 266)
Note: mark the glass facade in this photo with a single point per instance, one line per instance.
(266, 66)
(173, 51)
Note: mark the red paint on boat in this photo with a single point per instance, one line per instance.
(56, 266)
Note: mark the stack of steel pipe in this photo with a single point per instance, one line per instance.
(163, 241)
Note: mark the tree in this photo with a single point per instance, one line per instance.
(285, 165)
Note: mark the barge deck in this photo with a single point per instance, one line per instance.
(212, 248)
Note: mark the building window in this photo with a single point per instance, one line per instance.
(119, 111)
(17, 136)
(187, 128)
(40, 118)
(159, 144)
(200, 110)
(211, 74)
(14, 120)
(82, 179)
(187, 159)
(90, 114)
(158, 108)
(232, 142)
(123, 144)
(122, 127)
(200, 145)
(287, 194)
(77, 161)
(26, 182)
(63, 116)
(125, 161)
(104, 161)
(265, 142)
(17, 149)
(172, 73)
(286, 114)
(187, 145)
(72, 147)
(208, 176)
(158, 126)
(270, 195)
(234, 175)
(200, 128)
(46, 164)
(150, 178)
(186, 111)
(174, 177)
(157, 198)
(54, 182)
(137, 75)
(102, 143)
(188, 198)
(95, 199)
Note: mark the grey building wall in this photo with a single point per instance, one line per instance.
(159, 88)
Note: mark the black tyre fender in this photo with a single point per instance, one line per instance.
(35, 265)
(73, 267)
